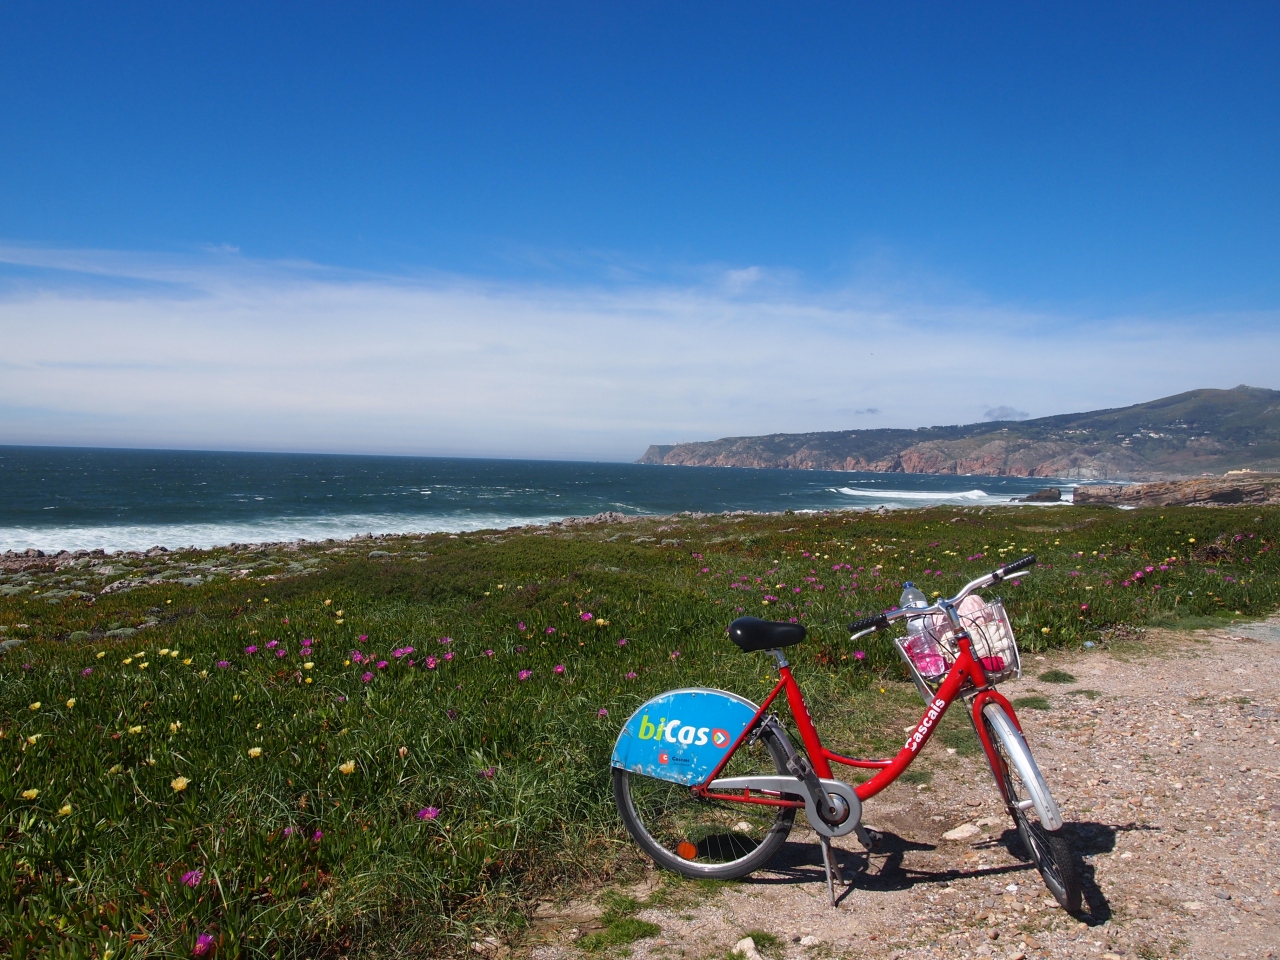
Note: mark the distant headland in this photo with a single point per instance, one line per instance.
(1201, 432)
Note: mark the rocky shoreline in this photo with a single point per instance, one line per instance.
(1200, 492)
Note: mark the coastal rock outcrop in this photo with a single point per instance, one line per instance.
(1205, 491)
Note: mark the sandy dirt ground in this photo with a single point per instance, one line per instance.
(1164, 757)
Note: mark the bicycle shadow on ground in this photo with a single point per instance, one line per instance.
(1087, 838)
(881, 872)
(886, 871)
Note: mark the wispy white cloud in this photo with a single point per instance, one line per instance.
(219, 350)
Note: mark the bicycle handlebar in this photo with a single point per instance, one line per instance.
(882, 620)
(878, 622)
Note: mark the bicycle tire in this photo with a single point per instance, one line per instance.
(663, 817)
(1026, 794)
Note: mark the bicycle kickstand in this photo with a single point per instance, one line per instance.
(832, 867)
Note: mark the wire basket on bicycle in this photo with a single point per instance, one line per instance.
(933, 650)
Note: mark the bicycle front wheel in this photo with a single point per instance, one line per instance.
(1026, 795)
(707, 839)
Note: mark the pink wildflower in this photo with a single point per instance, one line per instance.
(859, 654)
(488, 653)
(551, 630)
(382, 664)
(251, 649)
(192, 878)
(559, 668)
(524, 674)
(585, 617)
(204, 945)
(273, 644)
(315, 837)
(448, 654)
(366, 678)
(431, 663)
(520, 625)
(428, 813)
(86, 671)
(631, 674)
(602, 712)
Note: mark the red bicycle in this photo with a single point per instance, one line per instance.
(708, 783)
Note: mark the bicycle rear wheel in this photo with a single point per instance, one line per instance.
(709, 839)
(1026, 795)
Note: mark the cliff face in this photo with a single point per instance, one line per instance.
(1185, 435)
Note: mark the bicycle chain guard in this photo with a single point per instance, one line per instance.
(812, 805)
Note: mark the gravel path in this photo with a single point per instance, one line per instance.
(1165, 760)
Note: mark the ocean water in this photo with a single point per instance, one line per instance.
(56, 498)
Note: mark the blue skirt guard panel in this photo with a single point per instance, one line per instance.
(682, 735)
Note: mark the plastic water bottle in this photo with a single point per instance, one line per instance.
(920, 645)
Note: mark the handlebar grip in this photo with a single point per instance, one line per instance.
(879, 621)
(1017, 565)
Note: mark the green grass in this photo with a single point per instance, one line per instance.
(767, 944)
(1091, 694)
(470, 791)
(1057, 676)
(620, 923)
(617, 932)
(1033, 702)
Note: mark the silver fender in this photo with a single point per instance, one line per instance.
(1025, 764)
(796, 787)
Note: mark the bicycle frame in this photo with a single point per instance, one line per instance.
(966, 670)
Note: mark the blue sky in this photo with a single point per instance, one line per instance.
(667, 194)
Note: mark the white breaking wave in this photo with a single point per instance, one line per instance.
(144, 536)
(935, 496)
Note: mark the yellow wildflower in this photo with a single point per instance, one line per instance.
(340, 613)
(64, 810)
(1044, 629)
(127, 660)
(307, 680)
(186, 662)
(143, 665)
(116, 769)
(204, 673)
(179, 784)
(175, 726)
(348, 768)
(308, 665)
(30, 794)
(71, 702)
(31, 740)
(101, 654)
(135, 730)
(34, 706)
(327, 602)
(339, 620)
(164, 651)
(173, 653)
(255, 752)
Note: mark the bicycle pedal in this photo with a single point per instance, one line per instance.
(871, 840)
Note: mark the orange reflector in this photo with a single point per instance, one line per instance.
(687, 850)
